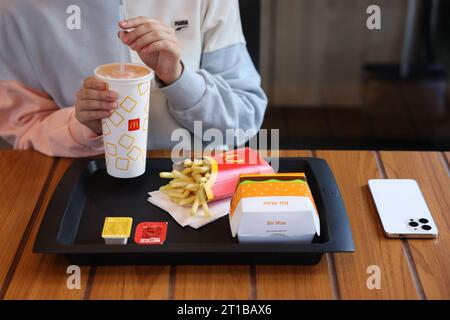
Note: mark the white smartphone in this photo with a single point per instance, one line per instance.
(402, 209)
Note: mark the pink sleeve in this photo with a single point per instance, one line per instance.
(31, 120)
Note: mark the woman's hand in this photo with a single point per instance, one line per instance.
(94, 102)
(156, 44)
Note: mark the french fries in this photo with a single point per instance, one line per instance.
(187, 187)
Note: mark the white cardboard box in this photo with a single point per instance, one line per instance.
(275, 218)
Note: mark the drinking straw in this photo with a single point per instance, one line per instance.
(122, 16)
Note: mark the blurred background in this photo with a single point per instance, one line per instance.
(333, 83)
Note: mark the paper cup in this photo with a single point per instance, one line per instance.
(125, 131)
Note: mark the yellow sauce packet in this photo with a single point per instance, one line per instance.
(117, 227)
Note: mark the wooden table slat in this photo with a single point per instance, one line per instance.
(131, 282)
(352, 170)
(23, 176)
(212, 282)
(39, 276)
(431, 257)
(294, 282)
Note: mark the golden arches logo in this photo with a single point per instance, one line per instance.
(233, 158)
(133, 125)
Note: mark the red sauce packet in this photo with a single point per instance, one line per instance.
(149, 233)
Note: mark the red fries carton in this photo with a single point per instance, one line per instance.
(228, 166)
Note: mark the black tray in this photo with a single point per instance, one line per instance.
(74, 219)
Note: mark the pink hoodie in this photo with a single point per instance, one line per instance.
(30, 119)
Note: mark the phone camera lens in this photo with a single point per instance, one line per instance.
(426, 227)
(423, 220)
(413, 224)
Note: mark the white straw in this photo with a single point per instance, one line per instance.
(122, 17)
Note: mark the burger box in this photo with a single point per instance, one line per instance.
(274, 208)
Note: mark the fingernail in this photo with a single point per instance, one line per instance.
(113, 105)
(111, 95)
(123, 23)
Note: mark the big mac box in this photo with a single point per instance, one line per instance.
(274, 208)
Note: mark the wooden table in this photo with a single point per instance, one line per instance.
(410, 269)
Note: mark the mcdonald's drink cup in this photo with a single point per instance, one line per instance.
(125, 131)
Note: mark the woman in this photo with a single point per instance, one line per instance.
(49, 49)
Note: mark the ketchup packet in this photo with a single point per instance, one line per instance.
(149, 233)
(228, 166)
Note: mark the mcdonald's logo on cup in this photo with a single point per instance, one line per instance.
(133, 124)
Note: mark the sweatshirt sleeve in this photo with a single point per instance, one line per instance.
(29, 119)
(226, 92)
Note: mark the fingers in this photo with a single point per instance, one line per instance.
(148, 37)
(89, 105)
(146, 32)
(94, 101)
(152, 37)
(91, 94)
(129, 37)
(94, 83)
(162, 45)
(88, 110)
(84, 116)
(136, 22)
